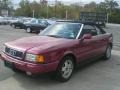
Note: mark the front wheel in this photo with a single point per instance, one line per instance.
(107, 54)
(65, 69)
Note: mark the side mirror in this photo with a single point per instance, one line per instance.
(87, 36)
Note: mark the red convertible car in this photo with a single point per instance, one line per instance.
(59, 48)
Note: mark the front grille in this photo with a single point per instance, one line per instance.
(14, 53)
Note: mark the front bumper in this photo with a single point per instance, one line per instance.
(30, 67)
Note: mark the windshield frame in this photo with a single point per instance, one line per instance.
(77, 36)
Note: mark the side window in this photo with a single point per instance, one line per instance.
(44, 23)
(89, 29)
(98, 30)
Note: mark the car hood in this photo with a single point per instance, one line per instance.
(28, 43)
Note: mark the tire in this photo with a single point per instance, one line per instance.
(28, 30)
(13, 26)
(107, 54)
(65, 69)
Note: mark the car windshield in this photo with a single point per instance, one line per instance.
(62, 30)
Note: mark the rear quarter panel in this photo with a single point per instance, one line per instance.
(105, 40)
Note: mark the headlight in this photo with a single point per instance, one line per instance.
(34, 58)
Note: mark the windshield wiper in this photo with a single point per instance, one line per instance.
(55, 36)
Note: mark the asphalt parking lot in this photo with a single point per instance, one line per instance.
(115, 30)
(99, 75)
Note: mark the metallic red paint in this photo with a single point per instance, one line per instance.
(54, 49)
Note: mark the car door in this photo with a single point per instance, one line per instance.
(87, 47)
(102, 41)
(95, 41)
(43, 24)
(36, 25)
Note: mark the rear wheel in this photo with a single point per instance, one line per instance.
(28, 30)
(65, 69)
(13, 26)
(107, 54)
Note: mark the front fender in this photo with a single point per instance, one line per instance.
(67, 53)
